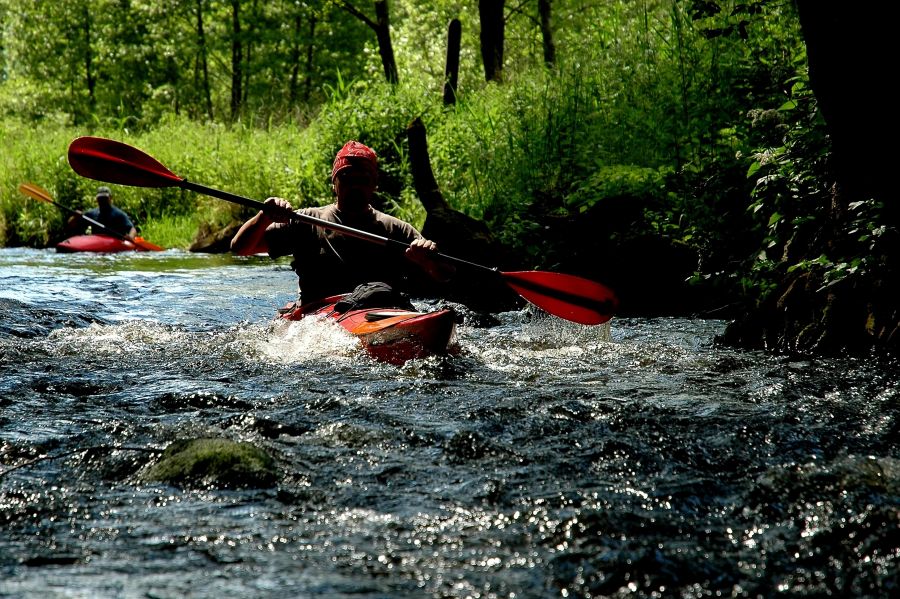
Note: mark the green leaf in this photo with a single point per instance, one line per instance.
(789, 105)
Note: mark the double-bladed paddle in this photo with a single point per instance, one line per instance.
(41, 194)
(567, 296)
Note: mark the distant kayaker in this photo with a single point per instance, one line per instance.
(328, 262)
(105, 213)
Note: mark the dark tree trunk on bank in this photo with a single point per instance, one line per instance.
(237, 58)
(296, 49)
(423, 175)
(385, 47)
(249, 37)
(451, 72)
(848, 52)
(201, 68)
(490, 13)
(310, 55)
(547, 33)
(295, 59)
(90, 79)
(382, 28)
(458, 234)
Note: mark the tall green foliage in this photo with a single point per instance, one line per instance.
(129, 63)
(791, 186)
(647, 99)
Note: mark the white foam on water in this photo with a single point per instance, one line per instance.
(290, 341)
(279, 341)
(522, 345)
(126, 337)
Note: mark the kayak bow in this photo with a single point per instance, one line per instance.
(391, 335)
(96, 243)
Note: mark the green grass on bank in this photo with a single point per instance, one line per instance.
(496, 155)
(656, 125)
(171, 231)
(248, 162)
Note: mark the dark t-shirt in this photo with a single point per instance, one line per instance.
(328, 263)
(112, 218)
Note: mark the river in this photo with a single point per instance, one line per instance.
(547, 459)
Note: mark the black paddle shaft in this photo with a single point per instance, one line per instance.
(562, 295)
(325, 224)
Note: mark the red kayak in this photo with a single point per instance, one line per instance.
(392, 335)
(97, 243)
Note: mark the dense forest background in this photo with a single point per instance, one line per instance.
(674, 149)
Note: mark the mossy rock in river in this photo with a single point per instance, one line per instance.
(214, 463)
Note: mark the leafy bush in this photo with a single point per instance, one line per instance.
(614, 181)
(651, 103)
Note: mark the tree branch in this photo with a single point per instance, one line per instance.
(357, 13)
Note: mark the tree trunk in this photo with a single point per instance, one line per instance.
(295, 59)
(420, 163)
(457, 234)
(310, 55)
(382, 28)
(237, 58)
(547, 33)
(248, 51)
(492, 30)
(173, 77)
(451, 72)
(89, 77)
(385, 47)
(847, 52)
(201, 68)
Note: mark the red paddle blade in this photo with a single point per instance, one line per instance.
(567, 296)
(114, 162)
(146, 245)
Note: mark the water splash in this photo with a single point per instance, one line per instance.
(312, 338)
(546, 460)
(524, 343)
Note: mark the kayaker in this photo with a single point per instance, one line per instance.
(105, 213)
(327, 262)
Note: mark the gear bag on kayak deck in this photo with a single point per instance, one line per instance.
(373, 295)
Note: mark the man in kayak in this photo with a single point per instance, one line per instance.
(328, 262)
(105, 213)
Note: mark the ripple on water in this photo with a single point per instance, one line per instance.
(544, 460)
(523, 346)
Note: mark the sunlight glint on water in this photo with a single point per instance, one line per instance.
(308, 339)
(546, 459)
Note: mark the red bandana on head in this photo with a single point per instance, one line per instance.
(355, 154)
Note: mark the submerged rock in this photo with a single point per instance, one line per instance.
(211, 462)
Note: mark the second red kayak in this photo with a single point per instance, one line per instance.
(391, 335)
(97, 243)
